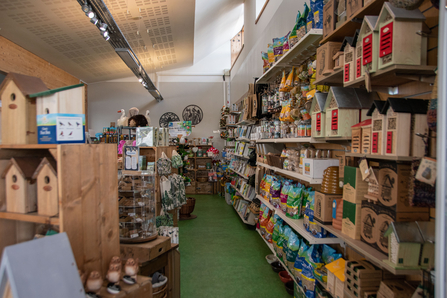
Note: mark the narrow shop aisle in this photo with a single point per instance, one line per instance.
(222, 257)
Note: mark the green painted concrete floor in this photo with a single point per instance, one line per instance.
(222, 257)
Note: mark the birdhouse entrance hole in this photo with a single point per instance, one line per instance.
(13, 96)
(47, 110)
(14, 178)
(47, 180)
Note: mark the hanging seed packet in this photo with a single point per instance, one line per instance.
(294, 203)
(292, 251)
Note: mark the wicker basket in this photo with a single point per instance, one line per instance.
(188, 208)
(275, 160)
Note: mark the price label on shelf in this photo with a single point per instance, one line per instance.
(134, 236)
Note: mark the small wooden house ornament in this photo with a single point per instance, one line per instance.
(427, 229)
(377, 127)
(47, 196)
(404, 244)
(65, 100)
(344, 108)
(318, 115)
(21, 188)
(352, 58)
(19, 125)
(398, 32)
(361, 137)
(405, 118)
(369, 37)
(339, 60)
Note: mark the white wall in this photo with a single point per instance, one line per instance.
(277, 19)
(106, 98)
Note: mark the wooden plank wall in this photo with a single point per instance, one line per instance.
(88, 198)
(14, 58)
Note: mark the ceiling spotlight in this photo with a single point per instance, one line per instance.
(140, 80)
(90, 14)
(94, 20)
(103, 26)
(85, 8)
(106, 36)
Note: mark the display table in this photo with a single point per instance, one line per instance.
(142, 289)
(157, 255)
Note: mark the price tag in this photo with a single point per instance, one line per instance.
(427, 171)
(134, 236)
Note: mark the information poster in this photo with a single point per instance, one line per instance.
(183, 128)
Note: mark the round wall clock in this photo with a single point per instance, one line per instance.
(168, 117)
(193, 113)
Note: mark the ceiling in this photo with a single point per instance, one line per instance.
(160, 32)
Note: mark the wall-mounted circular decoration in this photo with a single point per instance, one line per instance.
(193, 113)
(168, 117)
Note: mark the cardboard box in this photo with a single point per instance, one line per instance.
(323, 206)
(395, 289)
(394, 182)
(336, 269)
(314, 168)
(352, 7)
(351, 222)
(325, 63)
(354, 187)
(375, 219)
(60, 128)
(329, 18)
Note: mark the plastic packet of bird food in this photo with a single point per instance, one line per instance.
(271, 54)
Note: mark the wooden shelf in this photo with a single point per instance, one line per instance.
(231, 125)
(384, 157)
(334, 79)
(292, 174)
(200, 157)
(30, 217)
(30, 146)
(305, 48)
(245, 177)
(243, 140)
(348, 28)
(292, 140)
(396, 75)
(297, 225)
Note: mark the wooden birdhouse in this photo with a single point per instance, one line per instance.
(339, 60)
(399, 41)
(19, 110)
(65, 100)
(47, 196)
(21, 188)
(361, 137)
(405, 118)
(318, 115)
(352, 58)
(427, 229)
(369, 37)
(404, 244)
(377, 127)
(344, 108)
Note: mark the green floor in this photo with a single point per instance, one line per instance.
(222, 257)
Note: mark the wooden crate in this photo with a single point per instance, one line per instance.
(146, 251)
(88, 203)
(204, 188)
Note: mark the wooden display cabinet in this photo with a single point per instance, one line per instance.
(87, 187)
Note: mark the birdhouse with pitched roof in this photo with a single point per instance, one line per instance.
(18, 109)
(427, 229)
(399, 41)
(405, 118)
(352, 49)
(404, 244)
(318, 115)
(369, 37)
(61, 115)
(344, 108)
(47, 195)
(377, 127)
(21, 188)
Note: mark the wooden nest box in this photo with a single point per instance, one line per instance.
(361, 137)
(19, 124)
(318, 115)
(65, 100)
(427, 229)
(405, 118)
(400, 39)
(377, 127)
(47, 193)
(21, 188)
(352, 49)
(404, 244)
(369, 38)
(344, 108)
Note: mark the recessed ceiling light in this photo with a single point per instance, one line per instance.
(102, 26)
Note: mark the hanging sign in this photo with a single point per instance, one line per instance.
(183, 128)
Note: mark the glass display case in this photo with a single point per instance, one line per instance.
(136, 196)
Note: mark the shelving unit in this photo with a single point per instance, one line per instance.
(31, 217)
(334, 79)
(384, 157)
(243, 220)
(305, 48)
(240, 174)
(292, 140)
(243, 196)
(297, 225)
(291, 174)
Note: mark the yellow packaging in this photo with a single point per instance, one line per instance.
(290, 78)
(282, 86)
